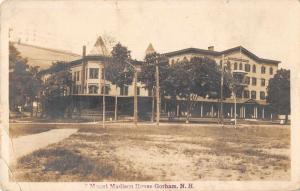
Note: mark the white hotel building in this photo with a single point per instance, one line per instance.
(252, 101)
(87, 73)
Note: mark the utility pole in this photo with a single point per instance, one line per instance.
(222, 83)
(157, 93)
(103, 97)
(153, 105)
(234, 110)
(83, 74)
(135, 101)
(135, 98)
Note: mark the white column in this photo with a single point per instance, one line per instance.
(201, 110)
(263, 112)
(212, 110)
(241, 112)
(177, 110)
(255, 112)
(231, 111)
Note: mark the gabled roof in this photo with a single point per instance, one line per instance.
(250, 54)
(219, 53)
(99, 48)
(150, 49)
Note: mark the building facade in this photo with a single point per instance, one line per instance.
(90, 86)
(252, 100)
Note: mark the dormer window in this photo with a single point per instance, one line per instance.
(254, 69)
(263, 70)
(271, 71)
(228, 65)
(247, 67)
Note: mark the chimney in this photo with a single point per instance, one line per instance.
(83, 88)
(211, 48)
(83, 51)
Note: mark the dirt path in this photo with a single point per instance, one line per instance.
(24, 145)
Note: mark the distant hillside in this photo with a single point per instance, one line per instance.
(43, 57)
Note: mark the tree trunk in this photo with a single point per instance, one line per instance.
(116, 108)
(79, 106)
(153, 105)
(31, 109)
(188, 110)
(37, 109)
(42, 108)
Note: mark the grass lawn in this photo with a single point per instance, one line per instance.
(167, 153)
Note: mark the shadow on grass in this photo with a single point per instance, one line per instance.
(66, 165)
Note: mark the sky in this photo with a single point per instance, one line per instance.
(268, 28)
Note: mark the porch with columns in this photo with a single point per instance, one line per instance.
(210, 109)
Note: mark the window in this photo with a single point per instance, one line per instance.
(76, 76)
(246, 94)
(107, 88)
(263, 70)
(239, 94)
(93, 89)
(262, 95)
(253, 81)
(124, 90)
(94, 73)
(271, 71)
(247, 67)
(235, 66)
(241, 66)
(102, 73)
(254, 69)
(253, 94)
(138, 90)
(247, 80)
(263, 82)
(228, 65)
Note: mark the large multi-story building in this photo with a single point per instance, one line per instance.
(252, 100)
(90, 86)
